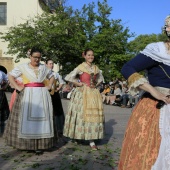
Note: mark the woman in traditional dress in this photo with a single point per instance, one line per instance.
(56, 100)
(146, 144)
(85, 119)
(30, 124)
(4, 108)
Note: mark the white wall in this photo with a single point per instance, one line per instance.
(18, 11)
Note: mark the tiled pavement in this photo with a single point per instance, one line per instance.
(70, 156)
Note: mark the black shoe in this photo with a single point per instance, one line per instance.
(114, 104)
(129, 106)
(38, 152)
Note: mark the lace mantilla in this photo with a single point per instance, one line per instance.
(163, 159)
(134, 81)
(157, 51)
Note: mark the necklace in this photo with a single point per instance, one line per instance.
(164, 71)
(89, 64)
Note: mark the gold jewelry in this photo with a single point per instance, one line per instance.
(89, 64)
(164, 71)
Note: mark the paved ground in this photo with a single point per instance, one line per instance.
(70, 156)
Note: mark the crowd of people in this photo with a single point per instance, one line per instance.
(114, 93)
(35, 119)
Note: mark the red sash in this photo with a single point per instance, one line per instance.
(34, 84)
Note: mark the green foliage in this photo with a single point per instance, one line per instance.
(140, 42)
(64, 35)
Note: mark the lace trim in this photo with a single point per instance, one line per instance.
(163, 158)
(134, 77)
(134, 81)
(71, 77)
(157, 51)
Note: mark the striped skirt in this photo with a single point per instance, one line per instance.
(11, 132)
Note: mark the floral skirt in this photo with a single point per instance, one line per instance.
(11, 132)
(75, 127)
(142, 137)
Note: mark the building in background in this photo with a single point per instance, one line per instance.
(12, 13)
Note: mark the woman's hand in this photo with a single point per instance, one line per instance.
(80, 84)
(155, 93)
(57, 89)
(48, 87)
(19, 89)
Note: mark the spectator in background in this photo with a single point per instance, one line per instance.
(117, 94)
(105, 92)
(70, 93)
(123, 100)
(66, 89)
(110, 94)
(134, 99)
(56, 100)
(120, 82)
(115, 81)
(4, 108)
(101, 87)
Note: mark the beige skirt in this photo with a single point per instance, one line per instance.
(75, 127)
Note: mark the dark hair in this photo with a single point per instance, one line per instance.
(3, 69)
(48, 60)
(35, 50)
(86, 50)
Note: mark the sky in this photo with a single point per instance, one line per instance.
(140, 16)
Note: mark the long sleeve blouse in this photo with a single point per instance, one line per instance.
(158, 68)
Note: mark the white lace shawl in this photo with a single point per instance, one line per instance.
(158, 52)
(163, 159)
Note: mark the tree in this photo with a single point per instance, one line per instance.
(140, 42)
(59, 36)
(110, 43)
(51, 5)
(64, 35)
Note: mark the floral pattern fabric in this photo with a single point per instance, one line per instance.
(142, 138)
(75, 126)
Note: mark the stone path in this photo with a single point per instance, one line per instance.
(70, 156)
